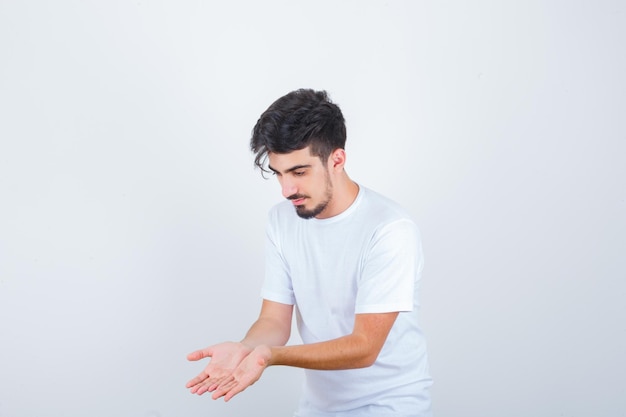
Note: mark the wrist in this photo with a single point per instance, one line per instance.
(248, 344)
(264, 352)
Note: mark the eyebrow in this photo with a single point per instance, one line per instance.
(293, 168)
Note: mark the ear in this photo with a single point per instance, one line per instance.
(337, 159)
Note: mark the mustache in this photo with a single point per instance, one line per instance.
(297, 196)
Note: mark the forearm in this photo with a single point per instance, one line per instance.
(348, 352)
(359, 349)
(267, 331)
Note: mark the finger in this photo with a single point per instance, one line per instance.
(208, 385)
(234, 391)
(199, 388)
(202, 389)
(197, 380)
(195, 388)
(199, 354)
(212, 384)
(222, 388)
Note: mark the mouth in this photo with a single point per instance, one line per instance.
(297, 199)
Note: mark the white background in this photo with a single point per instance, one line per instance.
(132, 220)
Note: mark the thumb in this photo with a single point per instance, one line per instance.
(200, 354)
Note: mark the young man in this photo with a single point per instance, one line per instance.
(349, 260)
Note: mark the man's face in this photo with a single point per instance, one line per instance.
(304, 180)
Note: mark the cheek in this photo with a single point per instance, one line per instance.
(320, 188)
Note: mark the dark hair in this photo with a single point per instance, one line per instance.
(299, 119)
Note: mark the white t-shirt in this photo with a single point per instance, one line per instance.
(368, 259)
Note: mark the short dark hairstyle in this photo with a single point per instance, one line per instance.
(299, 119)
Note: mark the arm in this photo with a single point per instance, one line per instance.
(273, 327)
(356, 350)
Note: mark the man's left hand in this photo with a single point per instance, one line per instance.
(247, 373)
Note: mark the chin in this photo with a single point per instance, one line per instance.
(306, 213)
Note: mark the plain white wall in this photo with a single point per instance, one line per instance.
(131, 218)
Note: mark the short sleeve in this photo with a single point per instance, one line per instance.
(391, 269)
(277, 285)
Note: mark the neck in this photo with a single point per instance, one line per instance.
(344, 193)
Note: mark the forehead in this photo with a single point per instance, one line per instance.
(284, 161)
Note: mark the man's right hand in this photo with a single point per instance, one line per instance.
(225, 357)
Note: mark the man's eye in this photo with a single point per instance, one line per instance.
(298, 173)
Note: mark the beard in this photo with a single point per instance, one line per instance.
(310, 213)
(315, 211)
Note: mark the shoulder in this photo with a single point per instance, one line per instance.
(382, 210)
(387, 220)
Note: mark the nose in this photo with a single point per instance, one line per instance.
(288, 187)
